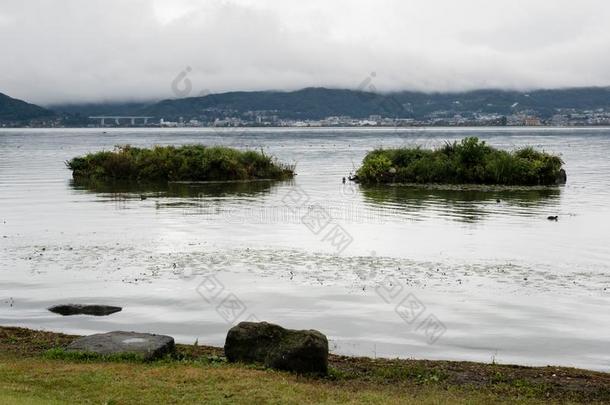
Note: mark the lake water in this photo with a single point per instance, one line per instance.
(388, 271)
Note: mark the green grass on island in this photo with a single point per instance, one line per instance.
(178, 163)
(35, 370)
(469, 161)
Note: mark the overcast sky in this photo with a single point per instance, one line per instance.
(95, 50)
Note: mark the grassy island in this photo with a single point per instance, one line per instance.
(178, 163)
(469, 161)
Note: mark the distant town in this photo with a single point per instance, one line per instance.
(441, 118)
(563, 118)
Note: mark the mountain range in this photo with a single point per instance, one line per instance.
(318, 103)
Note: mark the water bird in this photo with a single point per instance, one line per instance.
(552, 217)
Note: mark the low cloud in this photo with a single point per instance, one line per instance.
(73, 51)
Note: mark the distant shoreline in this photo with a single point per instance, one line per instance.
(313, 129)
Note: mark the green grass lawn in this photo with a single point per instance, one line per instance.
(32, 374)
(52, 381)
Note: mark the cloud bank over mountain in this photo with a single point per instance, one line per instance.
(102, 50)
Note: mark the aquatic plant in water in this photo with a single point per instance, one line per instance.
(469, 161)
(178, 163)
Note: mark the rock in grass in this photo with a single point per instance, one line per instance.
(147, 345)
(301, 351)
(77, 309)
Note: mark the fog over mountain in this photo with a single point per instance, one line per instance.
(106, 50)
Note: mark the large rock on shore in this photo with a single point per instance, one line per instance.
(78, 309)
(301, 351)
(146, 345)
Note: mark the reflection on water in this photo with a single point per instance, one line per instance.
(198, 196)
(125, 189)
(462, 203)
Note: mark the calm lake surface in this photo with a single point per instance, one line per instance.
(388, 271)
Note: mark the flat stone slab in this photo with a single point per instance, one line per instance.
(147, 345)
(78, 309)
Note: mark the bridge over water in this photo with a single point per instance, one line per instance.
(117, 119)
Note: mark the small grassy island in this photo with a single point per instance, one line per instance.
(469, 161)
(178, 163)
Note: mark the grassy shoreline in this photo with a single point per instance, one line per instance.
(29, 375)
(467, 162)
(188, 163)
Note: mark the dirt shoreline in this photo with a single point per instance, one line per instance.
(556, 384)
